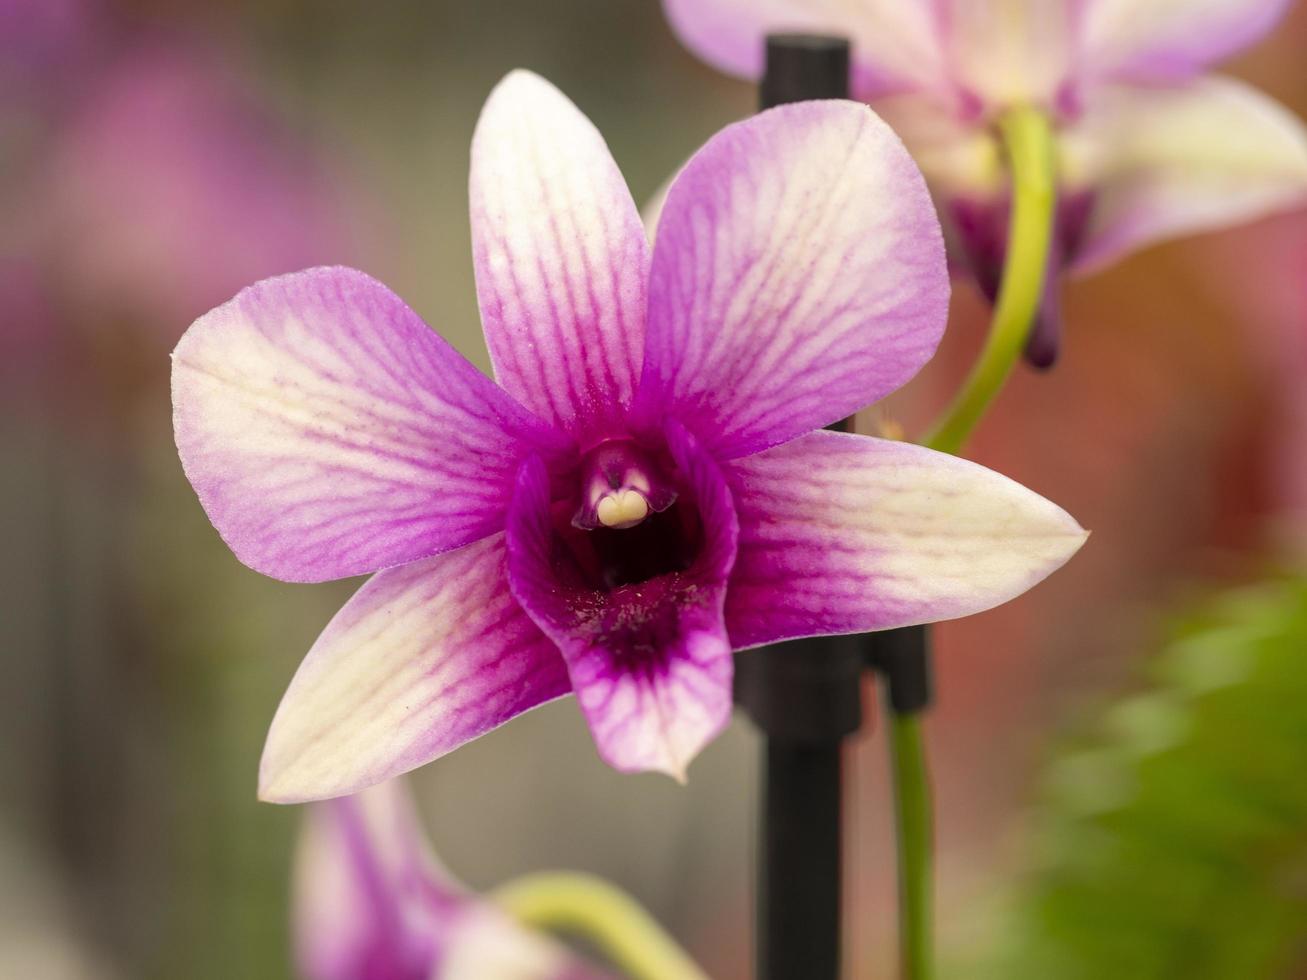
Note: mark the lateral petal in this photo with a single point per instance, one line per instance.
(328, 432)
(798, 275)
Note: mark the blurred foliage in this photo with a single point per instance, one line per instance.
(1172, 839)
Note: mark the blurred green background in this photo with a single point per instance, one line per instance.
(160, 156)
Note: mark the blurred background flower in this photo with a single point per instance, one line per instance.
(1135, 116)
(142, 662)
(371, 901)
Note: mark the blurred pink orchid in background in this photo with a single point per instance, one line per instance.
(372, 902)
(150, 181)
(645, 492)
(1148, 146)
(169, 186)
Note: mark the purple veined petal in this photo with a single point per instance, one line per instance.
(328, 432)
(1162, 162)
(1166, 40)
(896, 44)
(423, 658)
(649, 659)
(561, 259)
(369, 899)
(798, 275)
(843, 533)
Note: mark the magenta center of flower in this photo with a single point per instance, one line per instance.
(631, 523)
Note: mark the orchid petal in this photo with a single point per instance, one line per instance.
(842, 533)
(1169, 39)
(369, 897)
(423, 658)
(798, 275)
(1004, 52)
(650, 662)
(372, 902)
(1168, 161)
(328, 432)
(561, 258)
(896, 43)
(956, 156)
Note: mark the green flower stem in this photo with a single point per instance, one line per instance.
(590, 908)
(1028, 140)
(912, 813)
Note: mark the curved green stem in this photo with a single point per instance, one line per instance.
(912, 813)
(589, 907)
(1028, 139)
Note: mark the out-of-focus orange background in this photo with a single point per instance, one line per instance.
(159, 156)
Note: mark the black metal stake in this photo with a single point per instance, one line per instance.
(804, 696)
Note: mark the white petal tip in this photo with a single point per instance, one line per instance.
(305, 781)
(522, 81)
(288, 785)
(677, 771)
(276, 789)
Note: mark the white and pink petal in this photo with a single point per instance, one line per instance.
(422, 659)
(896, 44)
(1167, 40)
(561, 258)
(328, 432)
(1166, 161)
(798, 275)
(843, 533)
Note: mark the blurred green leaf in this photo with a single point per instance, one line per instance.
(1171, 840)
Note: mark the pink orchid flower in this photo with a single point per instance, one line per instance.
(643, 488)
(1148, 146)
(372, 902)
